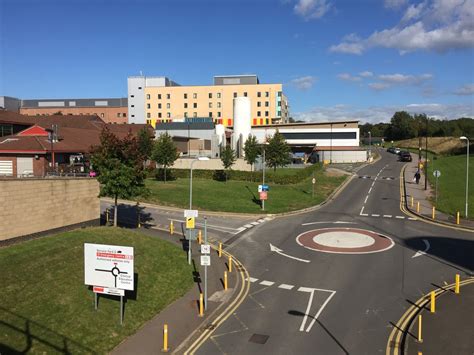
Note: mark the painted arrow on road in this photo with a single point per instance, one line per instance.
(419, 252)
(279, 251)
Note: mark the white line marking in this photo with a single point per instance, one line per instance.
(400, 217)
(370, 190)
(248, 226)
(375, 215)
(266, 283)
(308, 308)
(279, 251)
(319, 312)
(255, 223)
(337, 222)
(252, 279)
(260, 220)
(286, 287)
(366, 198)
(306, 289)
(419, 252)
(362, 211)
(412, 219)
(387, 215)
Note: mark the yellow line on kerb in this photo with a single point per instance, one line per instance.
(244, 289)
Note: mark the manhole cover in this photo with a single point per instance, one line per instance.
(259, 338)
(364, 177)
(388, 178)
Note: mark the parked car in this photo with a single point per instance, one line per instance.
(391, 150)
(397, 150)
(405, 156)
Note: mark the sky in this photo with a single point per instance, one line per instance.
(336, 59)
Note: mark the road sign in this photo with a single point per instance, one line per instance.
(108, 266)
(263, 195)
(205, 249)
(262, 188)
(190, 222)
(437, 173)
(191, 213)
(314, 181)
(205, 260)
(108, 291)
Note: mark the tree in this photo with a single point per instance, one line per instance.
(119, 165)
(251, 150)
(228, 158)
(164, 151)
(277, 151)
(145, 143)
(402, 126)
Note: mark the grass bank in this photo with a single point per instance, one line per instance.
(452, 183)
(242, 196)
(46, 308)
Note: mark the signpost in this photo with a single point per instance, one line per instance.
(263, 196)
(190, 216)
(206, 250)
(436, 174)
(109, 270)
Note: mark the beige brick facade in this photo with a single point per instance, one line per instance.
(29, 206)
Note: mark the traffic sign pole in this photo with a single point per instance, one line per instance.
(205, 266)
(189, 246)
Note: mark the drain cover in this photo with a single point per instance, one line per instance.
(364, 177)
(259, 338)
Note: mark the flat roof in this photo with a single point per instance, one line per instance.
(306, 123)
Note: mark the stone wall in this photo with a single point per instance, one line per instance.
(29, 206)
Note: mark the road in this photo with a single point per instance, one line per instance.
(303, 300)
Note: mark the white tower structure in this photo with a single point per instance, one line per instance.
(242, 123)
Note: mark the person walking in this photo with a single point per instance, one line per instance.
(417, 176)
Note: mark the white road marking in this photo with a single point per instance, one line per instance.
(255, 223)
(362, 212)
(305, 289)
(266, 283)
(370, 190)
(286, 287)
(419, 252)
(320, 310)
(400, 217)
(308, 307)
(260, 220)
(412, 219)
(337, 222)
(366, 198)
(279, 251)
(387, 215)
(252, 279)
(248, 226)
(375, 215)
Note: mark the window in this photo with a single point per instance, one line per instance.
(195, 96)
(118, 114)
(168, 115)
(259, 104)
(148, 106)
(235, 94)
(218, 105)
(219, 114)
(185, 105)
(124, 114)
(210, 114)
(279, 104)
(259, 113)
(139, 88)
(101, 115)
(267, 94)
(168, 96)
(133, 105)
(210, 95)
(185, 96)
(132, 95)
(148, 121)
(168, 105)
(195, 114)
(278, 113)
(267, 103)
(195, 105)
(259, 94)
(245, 94)
(279, 93)
(159, 106)
(210, 104)
(148, 115)
(185, 115)
(133, 115)
(218, 95)
(159, 96)
(148, 96)
(159, 114)
(266, 113)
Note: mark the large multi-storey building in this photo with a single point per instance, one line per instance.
(154, 100)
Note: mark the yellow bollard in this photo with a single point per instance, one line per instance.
(171, 228)
(225, 280)
(433, 212)
(220, 249)
(433, 302)
(412, 201)
(457, 217)
(230, 263)
(200, 237)
(456, 286)
(165, 338)
(201, 306)
(418, 207)
(420, 339)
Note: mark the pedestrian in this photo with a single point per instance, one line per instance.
(417, 176)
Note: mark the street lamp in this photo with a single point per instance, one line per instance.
(467, 170)
(370, 144)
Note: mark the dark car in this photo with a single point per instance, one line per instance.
(405, 156)
(391, 150)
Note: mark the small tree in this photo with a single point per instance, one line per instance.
(277, 151)
(251, 150)
(145, 143)
(119, 165)
(228, 158)
(164, 151)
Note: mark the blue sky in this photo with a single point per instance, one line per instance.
(337, 59)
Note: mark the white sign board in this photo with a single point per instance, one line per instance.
(205, 260)
(108, 266)
(108, 291)
(436, 173)
(205, 249)
(190, 213)
(260, 188)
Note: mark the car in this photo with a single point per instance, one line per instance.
(405, 156)
(390, 149)
(397, 150)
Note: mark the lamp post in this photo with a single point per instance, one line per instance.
(467, 171)
(370, 144)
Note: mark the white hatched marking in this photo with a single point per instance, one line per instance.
(266, 283)
(286, 287)
(252, 279)
(387, 215)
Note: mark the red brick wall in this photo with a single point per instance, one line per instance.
(108, 114)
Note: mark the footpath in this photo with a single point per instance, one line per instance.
(182, 316)
(418, 200)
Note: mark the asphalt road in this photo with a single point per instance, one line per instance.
(309, 301)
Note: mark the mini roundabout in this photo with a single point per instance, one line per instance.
(344, 241)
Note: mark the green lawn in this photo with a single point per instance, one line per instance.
(452, 183)
(241, 196)
(46, 308)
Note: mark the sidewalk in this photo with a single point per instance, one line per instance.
(182, 316)
(417, 191)
(447, 331)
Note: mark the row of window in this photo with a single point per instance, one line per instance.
(255, 121)
(219, 114)
(195, 96)
(219, 105)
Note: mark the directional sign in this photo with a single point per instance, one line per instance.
(263, 195)
(437, 173)
(108, 266)
(205, 260)
(205, 249)
(262, 188)
(191, 213)
(190, 222)
(108, 291)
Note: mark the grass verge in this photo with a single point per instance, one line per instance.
(46, 308)
(242, 196)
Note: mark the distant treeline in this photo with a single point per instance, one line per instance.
(405, 126)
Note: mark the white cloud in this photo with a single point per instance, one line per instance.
(405, 79)
(312, 9)
(348, 77)
(376, 114)
(438, 25)
(394, 4)
(379, 86)
(465, 90)
(304, 83)
(366, 74)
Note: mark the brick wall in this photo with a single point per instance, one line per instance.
(29, 206)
